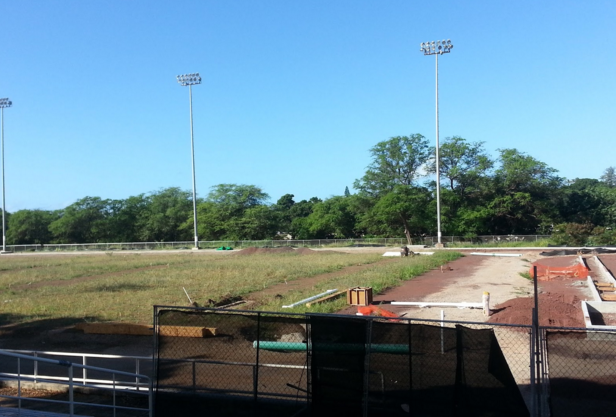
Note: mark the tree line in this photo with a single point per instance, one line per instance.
(511, 194)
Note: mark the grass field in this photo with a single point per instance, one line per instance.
(124, 287)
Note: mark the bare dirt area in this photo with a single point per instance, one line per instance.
(466, 279)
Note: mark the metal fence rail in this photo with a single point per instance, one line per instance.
(115, 387)
(132, 366)
(238, 244)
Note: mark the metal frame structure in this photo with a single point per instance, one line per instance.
(437, 48)
(190, 80)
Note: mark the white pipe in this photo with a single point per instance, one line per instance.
(496, 254)
(425, 304)
(314, 297)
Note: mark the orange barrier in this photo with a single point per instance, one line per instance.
(546, 273)
(375, 310)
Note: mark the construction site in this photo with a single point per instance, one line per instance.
(478, 336)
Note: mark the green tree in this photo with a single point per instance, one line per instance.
(403, 210)
(465, 167)
(609, 177)
(166, 216)
(391, 178)
(282, 208)
(396, 161)
(236, 212)
(332, 218)
(30, 227)
(462, 164)
(525, 194)
(126, 219)
(300, 228)
(82, 222)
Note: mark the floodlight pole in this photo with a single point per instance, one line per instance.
(4, 102)
(190, 80)
(437, 48)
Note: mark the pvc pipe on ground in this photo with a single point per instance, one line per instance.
(314, 297)
(496, 254)
(426, 304)
(332, 347)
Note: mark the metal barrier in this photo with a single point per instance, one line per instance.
(132, 389)
(134, 365)
(294, 364)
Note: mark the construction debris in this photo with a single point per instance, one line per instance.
(145, 330)
(328, 298)
(314, 297)
(373, 310)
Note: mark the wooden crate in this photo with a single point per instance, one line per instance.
(359, 296)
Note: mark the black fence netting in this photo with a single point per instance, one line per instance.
(273, 364)
(582, 372)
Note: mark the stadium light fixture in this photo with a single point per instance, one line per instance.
(4, 103)
(190, 80)
(437, 48)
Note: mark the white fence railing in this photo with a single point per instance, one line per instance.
(239, 244)
(63, 373)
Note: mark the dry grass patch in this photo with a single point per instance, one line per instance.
(123, 288)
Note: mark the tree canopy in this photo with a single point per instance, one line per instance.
(395, 197)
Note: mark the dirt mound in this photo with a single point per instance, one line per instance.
(284, 249)
(563, 310)
(253, 250)
(305, 251)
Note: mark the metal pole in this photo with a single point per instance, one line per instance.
(438, 173)
(437, 48)
(3, 201)
(192, 152)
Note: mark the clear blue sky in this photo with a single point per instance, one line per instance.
(294, 93)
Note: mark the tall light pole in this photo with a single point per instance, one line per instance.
(437, 48)
(4, 102)
(190, 80)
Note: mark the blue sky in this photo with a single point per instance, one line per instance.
(294, 93)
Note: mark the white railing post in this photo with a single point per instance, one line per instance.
(84, 361)
(35, 368)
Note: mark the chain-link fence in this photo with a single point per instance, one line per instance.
(256, 363)
(493, 240)
(581, 367)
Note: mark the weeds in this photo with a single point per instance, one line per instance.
(525, 275)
